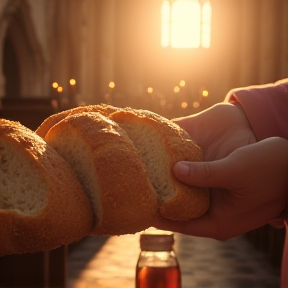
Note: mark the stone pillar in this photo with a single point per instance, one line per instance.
(2, 86)
(107, 40)
(249, 43)
(284, 40)
(89, 43)
(270, 41)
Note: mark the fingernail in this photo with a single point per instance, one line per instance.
(183, 169)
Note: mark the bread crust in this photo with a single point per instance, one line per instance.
(105, 110)
(185, 202)
(66, 215)
(128, 202)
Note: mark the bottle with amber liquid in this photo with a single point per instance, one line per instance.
(157, 265)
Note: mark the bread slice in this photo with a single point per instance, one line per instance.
(161, 144)
(42, 204)
(105, 110)
(110, 171)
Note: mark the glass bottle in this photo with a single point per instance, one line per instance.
(157, 265)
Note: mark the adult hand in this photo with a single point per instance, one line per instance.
(219, 130)
(248, 189)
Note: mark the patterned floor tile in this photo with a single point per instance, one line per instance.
(205, 263)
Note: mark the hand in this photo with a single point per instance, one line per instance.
(219, 130)
(248, 189)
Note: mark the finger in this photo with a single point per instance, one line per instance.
(205, 174)
(188, 124)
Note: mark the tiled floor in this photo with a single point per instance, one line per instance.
(205, 263)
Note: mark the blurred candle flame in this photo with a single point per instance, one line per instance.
(111, 85)
(55, 85)
(72, 82)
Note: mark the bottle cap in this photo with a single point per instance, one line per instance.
(156, 240)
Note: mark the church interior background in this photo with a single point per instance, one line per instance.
(112, 49)
(59, 54)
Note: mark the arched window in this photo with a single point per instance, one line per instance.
(186, 23)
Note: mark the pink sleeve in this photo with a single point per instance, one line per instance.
(266, 107)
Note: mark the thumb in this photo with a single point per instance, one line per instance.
(203, 174)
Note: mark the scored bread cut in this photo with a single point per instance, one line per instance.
(42, 204)
(161, 144)
(105, 110)
(110, 171)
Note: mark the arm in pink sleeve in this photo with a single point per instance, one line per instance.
(266, 107)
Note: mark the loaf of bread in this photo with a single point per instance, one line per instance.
(95, 170)
(159, 144)
(42, 204)
(110, 171)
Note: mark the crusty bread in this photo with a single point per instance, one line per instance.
(105, 110)
(110, 171)
(161, 143)
(42, 204)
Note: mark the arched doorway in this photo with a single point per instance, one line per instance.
(23, 61)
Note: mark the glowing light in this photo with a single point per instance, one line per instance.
(150, 90)
(184, 105)
(205, 93)
(72, 82)
(176, 89)
(196, 104)
(185, 30)
(165, 15)
(186, 24)
(182, 83)
(55, 85)
(206, 25)
(60, 89)
(111, 85)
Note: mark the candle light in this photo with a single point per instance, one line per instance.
(182, 83)
(72, 82)
(72, 94)
(205, 93)
(184, 105)
(176, 89)
(55, 85)
(150, 90)
(111, 85)
(60, 89)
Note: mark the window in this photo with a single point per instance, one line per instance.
(186, 24)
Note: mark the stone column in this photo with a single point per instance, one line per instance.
(269, 42)
(249, 43)
(107, 40)
(284, 40)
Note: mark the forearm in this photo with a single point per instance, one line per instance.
(266, 107)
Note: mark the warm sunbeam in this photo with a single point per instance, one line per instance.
(186, 24)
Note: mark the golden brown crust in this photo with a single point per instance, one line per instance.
(128, 201)
(188, 202)
(105, 110)
(66, 215)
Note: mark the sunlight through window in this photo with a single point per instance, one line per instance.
(186, 24)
